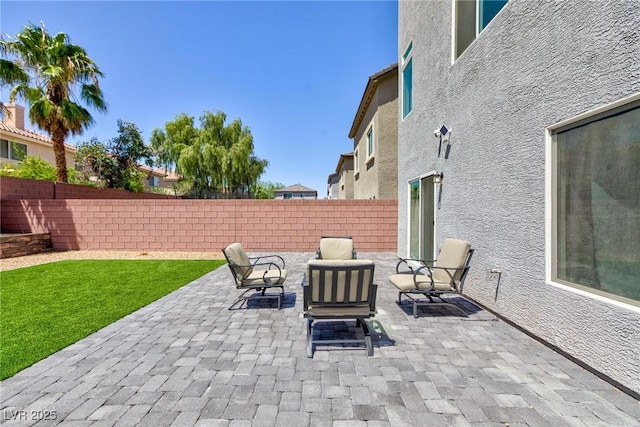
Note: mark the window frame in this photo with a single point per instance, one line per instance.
(551, 207)
(370, 143)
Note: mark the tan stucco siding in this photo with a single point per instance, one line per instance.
(377, 175)
(38, 149)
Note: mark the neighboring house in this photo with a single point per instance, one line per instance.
(159, 178)
(375, 138)
(296, 191)
(540, 173)
(16, 142)
(344, 169)
(333, 186)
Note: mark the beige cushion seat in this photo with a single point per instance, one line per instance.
(255, 273)
(261, 277)
(432, 279)
(406, 282)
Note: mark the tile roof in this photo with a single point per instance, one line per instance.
(31, 134)
(296, 187)
(369, 90)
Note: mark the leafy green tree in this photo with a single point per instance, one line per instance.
(266, 190)
(34, 168)
(95, 164)
(59, 73)
(10, 74)
(115, 164)
(216, 159)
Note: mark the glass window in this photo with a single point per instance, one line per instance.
(597, 204)
(471, 17)
(370, 142)
(356, 163)
(407, 81)
(12, 150)
(407, 88)
(4, 148)
(487, 10)
(18, 151)
(287, 196)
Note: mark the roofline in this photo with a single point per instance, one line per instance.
(33, 136)
(369, 90)
(342, 159)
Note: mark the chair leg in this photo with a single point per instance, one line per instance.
(309, 338)
(367, 337)
(399, 297)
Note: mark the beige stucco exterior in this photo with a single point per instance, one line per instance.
(345, 172)
(333, 186)
(376, 174)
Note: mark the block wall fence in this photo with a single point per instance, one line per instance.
(202, 225)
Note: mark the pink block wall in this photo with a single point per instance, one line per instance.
(204, 225)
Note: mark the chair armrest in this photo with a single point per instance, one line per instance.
(372, 297)
(406, 262)
(305, 293)
(278, 258)
(448, 270)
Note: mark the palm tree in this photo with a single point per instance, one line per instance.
(10, 74)
(59, 72)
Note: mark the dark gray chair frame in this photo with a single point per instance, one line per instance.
(424, 297)
(307, 286)
(354, 254)
(261, 288)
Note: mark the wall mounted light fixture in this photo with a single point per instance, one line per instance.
(442, 132)
(438, 177)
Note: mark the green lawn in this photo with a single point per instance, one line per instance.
(48, 307)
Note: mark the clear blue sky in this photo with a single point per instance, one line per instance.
(293, 71)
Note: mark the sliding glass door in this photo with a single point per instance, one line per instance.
(421, 218)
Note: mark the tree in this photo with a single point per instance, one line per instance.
(59, 73)
(115, 164)
(217, 160)
(10, 74)
(266, 190)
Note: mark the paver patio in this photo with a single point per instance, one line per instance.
(186, 360)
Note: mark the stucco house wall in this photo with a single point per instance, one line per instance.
(377, 176)
(333, 189)
(345, 171)
(536, 64)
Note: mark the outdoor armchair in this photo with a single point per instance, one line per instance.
(255, 274)
(339, 290)
(421, 280)
(336, 248)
